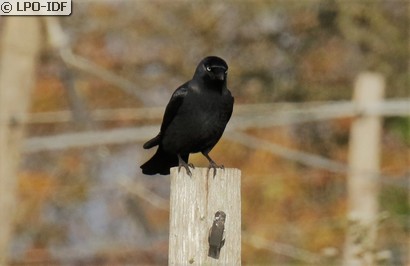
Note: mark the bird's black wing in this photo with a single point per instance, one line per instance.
(170, 111)
(172, 108)
(229, 108)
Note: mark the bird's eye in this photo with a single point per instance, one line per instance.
(208, 68)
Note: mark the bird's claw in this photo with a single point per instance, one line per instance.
(186, 166)
(186, 169)
(214, 166)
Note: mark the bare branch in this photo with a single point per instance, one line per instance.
(89, 139)
(248, 115)
(282, 249)
(293, 155)
(59, 41)
(141, 191)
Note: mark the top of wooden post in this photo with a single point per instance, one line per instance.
(194, 202)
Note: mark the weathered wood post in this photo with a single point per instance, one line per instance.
(20, 47)
(363, 179)
(194, 202)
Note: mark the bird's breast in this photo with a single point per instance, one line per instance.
(199, 123)
(208, 111)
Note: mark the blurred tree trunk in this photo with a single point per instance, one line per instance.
(20, 47)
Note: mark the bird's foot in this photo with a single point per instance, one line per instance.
(182, 163)
(186, 166)
(214, 166)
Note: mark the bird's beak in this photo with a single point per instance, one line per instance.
(220, 75)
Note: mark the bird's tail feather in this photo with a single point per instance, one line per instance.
(214, 252)
(152, 142)
(161, 162)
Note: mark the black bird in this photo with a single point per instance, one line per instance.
(216, 236)
(194, 119)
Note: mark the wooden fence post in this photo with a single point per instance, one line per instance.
(20, 47)
(194, 202)
(363, 179)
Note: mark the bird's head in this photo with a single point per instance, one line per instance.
(212, 69)
(220, 216)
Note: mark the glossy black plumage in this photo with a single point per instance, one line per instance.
(194, 119)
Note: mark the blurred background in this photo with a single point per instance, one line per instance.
(105, 74)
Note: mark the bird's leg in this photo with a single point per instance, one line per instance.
(182, 163)
(212, 164)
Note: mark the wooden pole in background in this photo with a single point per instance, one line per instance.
(194, 202)
(363, 180)
(20, 47)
